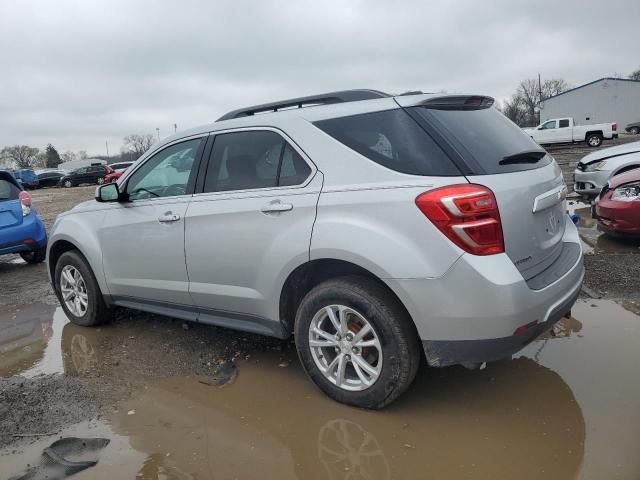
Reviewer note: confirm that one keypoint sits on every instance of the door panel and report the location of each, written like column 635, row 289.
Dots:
column 143, row 257
column 240, row 246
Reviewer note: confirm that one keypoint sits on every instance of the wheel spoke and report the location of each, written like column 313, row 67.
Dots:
column 68, row 277
column 332, row 366
column 362, row 363
column 342, row 365
column 83, row 300
column 360, row 373
column 327, row 336
column 68, row 295
column 342, row 313
column 368, row 343
column 332, row 317
column 361, row 333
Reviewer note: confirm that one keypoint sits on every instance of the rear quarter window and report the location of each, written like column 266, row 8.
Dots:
column 391, row 139
column 8, row 191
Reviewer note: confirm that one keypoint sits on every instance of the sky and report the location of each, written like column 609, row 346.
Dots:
column 79, row 74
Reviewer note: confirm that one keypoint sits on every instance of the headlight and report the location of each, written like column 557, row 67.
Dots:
column 596, row 166
column 627, row 193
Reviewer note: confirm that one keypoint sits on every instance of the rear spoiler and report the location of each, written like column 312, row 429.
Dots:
column 458, row 102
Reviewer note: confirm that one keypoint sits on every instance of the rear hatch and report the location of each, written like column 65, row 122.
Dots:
column 528, row 184
column 10, row 207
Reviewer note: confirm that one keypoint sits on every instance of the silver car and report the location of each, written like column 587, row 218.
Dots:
column 380, row 231
column 594, row 170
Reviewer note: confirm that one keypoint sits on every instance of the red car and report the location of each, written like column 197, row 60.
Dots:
column 113, row 176
column 617, row 208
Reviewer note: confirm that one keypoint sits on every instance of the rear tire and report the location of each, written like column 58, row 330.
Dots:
column 391, row 348
column 594, row 140
column 78, row 291
column 634, row 130
column 67, row 184
column 34, row 256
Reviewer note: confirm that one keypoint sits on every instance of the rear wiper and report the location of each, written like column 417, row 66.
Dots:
column 523, row 157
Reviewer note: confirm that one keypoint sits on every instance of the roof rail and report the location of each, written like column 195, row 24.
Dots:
column 323, row 99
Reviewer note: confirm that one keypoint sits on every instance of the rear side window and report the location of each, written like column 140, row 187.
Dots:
column 8, row 191
column 391, row 139
column 250, row 160
column 487, row 141
column 564, row 123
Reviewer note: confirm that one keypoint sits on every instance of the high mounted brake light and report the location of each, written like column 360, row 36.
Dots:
column 467, row 215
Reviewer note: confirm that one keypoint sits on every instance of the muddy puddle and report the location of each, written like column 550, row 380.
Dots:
column 566, row 407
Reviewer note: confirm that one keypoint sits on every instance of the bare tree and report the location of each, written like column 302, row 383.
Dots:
column 138, row 144
column 635, row 75
column 82, row 155
column 22, row 156
column 68, row 156
column 514, row 109
column 524, row 106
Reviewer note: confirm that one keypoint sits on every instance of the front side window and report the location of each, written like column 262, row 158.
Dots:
column 255, row 159
column 549, row 125
column 166, row 174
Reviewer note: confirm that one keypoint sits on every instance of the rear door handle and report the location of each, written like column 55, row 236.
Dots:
column 168, row 217
column 277, row 207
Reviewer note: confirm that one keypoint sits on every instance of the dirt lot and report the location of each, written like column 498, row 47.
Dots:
column 182, row 401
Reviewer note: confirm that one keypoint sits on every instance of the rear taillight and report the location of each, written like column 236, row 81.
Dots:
column 614, row 127
column 467, row 215
column 25, row 202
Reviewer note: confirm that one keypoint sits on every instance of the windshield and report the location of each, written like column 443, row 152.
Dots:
column 487, row 140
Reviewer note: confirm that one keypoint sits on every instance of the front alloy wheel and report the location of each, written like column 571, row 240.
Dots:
column 345, row 348
column 74, row 291
column 100, row 181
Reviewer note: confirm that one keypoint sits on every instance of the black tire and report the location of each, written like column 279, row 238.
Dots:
column 34, row 256
column 97, row 311
column 634, row 130
column 68, row 184
column 395, row 330
column 594, row 140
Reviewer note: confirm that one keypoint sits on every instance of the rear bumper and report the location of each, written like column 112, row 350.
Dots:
column 29, row 235
column 472, row 312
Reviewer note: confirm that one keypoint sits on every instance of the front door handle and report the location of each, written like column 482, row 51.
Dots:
column 277, row 207
column 168, row 217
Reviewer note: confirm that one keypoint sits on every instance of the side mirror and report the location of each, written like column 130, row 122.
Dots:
column 108, row 193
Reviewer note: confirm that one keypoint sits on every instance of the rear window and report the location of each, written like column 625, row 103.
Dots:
column 484, row 138
column 8, row 191
column 391, row 139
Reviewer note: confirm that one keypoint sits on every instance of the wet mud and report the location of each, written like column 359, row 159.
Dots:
column 566, row 407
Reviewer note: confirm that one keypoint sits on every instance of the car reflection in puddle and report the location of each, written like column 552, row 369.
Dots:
column 25, row 336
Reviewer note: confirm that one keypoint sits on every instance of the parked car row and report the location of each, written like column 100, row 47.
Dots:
column 611, row 178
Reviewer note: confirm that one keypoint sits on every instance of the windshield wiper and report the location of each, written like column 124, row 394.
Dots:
column 523, row 157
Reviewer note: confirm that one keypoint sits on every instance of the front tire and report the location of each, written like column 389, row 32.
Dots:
column 634, row 130
column 594, row 140
column 34, row 256
column 67, row 184
column 356, row 342
column 78, row 291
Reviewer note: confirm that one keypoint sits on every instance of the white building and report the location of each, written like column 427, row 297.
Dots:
column 73, row 164
column 604, row 100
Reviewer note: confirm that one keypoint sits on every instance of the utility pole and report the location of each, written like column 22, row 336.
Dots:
column 539, row 100
column 106, row 142
column 175, row 127
column 158, row 132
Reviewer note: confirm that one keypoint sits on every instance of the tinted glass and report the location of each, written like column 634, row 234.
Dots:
column 564, row 123
column 249, row 160
column 166, row 174
column 392, row 139
column 483, row 138
column 8, row 191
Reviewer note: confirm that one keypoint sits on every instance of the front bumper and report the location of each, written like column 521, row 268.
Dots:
column 471, row 313
column 590, row 183
column 618, row 218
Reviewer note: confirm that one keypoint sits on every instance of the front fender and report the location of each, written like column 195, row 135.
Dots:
column 80, row 229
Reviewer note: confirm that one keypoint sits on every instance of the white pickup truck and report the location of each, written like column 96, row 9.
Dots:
column 564, row 130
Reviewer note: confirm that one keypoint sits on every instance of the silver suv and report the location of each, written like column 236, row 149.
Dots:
column 375, row 229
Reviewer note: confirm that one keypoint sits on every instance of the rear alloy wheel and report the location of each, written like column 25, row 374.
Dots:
column 34, row 256
column 78, row 291
column 356, row 342
column 67, row 184
column 594, row 139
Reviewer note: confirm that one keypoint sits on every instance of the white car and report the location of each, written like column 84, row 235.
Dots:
column 595, row 169
column 120, row 166
column 564, row 130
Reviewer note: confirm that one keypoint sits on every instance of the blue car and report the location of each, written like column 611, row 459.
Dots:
column 27, row 177
column 21, row 230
